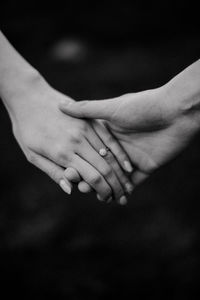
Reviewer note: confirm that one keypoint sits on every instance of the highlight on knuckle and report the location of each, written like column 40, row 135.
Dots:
column 60, row 153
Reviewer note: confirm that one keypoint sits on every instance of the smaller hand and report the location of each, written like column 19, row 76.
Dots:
column 53, row 141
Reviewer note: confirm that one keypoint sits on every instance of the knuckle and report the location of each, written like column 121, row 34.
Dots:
column 107, row 172
column 60, row 153
column 67, row 172
column 76, row 136
column 95, row 179
column 83, row 126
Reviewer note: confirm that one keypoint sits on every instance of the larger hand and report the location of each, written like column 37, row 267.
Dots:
column 149, row 125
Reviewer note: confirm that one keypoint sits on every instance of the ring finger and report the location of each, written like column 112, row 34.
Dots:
column 88, row 153
column 97, row 144
column 108, row 139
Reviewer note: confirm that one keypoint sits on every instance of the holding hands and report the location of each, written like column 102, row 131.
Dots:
column 152, row 126
column 98, row 144
column 53, row 142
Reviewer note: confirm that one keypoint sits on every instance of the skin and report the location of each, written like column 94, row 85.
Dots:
column 152, row 126
column 51, row 140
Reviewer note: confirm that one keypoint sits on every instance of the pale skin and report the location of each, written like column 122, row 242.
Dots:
column 53, row 141
column 152, row 126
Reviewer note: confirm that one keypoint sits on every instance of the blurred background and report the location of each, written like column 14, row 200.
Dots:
column 56, row 246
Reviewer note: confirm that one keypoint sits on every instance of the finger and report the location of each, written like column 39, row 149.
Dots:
column 87, row 152
column 97, row 144
column 84, row 187
column 92, row 177
column 138, row 177
column 72, row 175
column 54, row 171
column 98, row 109
column 111, row 142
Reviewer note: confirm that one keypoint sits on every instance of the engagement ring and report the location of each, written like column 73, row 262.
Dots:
column 104, row 151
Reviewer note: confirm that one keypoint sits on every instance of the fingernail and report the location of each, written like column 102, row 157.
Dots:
column 128, row 166
column 99, row 197
column 129, row 187
column 109, row 199
column 123, row 200
column 66, row 188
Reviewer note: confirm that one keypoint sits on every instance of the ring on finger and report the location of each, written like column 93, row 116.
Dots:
column 104, row 151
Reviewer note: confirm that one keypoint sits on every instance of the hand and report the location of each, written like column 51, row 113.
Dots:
column 53, row 141
column 116, row 158
column 149, row 125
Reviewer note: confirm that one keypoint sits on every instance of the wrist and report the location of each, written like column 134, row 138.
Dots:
column 16, row 82
column 18, row 88
column 183, row 92
column 184, row 106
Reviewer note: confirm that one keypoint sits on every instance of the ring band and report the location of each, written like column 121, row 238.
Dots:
column 104, row 151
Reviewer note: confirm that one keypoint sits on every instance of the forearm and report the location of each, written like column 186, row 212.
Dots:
column 21, row 85
column 183, row 91
column 16, row 75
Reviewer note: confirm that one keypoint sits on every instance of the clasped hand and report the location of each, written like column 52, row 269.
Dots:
column 67, row 148
column 136, row 132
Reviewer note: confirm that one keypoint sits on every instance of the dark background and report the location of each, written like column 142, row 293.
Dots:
column 61, row 247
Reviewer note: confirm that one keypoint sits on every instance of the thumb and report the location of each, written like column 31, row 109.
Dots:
column 97, row 109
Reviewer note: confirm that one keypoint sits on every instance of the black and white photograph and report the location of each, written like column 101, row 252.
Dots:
column 99, row 150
